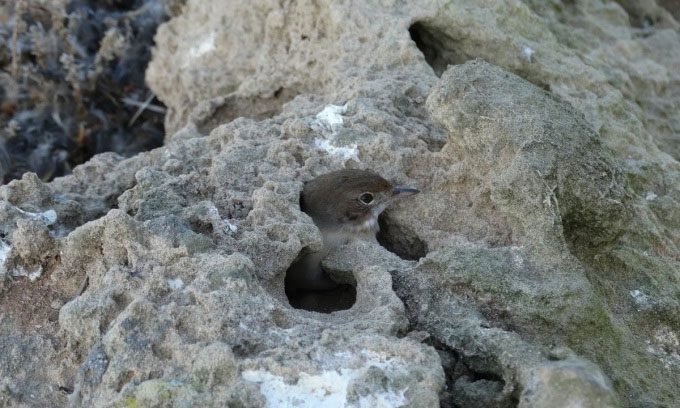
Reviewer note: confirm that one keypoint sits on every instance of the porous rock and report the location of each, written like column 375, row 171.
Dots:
column 538, row 266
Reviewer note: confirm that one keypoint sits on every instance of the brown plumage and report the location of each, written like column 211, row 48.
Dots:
column 345, row 198
column 343, row 204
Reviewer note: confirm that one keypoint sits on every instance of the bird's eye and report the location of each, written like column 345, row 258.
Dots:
column 366, row 198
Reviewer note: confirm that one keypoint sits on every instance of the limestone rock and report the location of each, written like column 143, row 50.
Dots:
column 538, row 264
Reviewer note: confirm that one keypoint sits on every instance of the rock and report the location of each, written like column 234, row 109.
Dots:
column 474, row 300
column 535, row 157
column 33, row 251
column 568, row 383
column 22, row 383
column 537, row 266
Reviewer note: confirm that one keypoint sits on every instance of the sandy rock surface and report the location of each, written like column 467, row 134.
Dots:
column 538, row 267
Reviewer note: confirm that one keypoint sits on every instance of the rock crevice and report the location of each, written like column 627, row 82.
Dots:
column 536, row 268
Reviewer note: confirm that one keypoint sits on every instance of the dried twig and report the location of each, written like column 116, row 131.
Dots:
column 18, row 26
column 146, row 105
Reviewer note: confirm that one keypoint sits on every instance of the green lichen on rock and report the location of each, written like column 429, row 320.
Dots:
column 546, row 240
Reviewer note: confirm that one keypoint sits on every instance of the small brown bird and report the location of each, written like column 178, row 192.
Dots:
column 344, row 204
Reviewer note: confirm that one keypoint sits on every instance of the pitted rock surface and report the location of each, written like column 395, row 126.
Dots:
column 536, row 268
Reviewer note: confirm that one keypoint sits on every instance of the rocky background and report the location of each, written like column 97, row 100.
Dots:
column 539, row 266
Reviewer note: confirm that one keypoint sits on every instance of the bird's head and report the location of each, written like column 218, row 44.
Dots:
column 350, row 199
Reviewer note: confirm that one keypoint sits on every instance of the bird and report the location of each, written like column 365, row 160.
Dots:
column 344, row 205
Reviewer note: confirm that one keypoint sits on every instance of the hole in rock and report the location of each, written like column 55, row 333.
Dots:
column 451, row 364
column 85, row 106
column 246, row 349
column 438, row 48
column 319, row 293
column 400, row 240
column 466, row 387
column 641, row 15
column 65, row 389
column 255, row 107
column 472, row 379
column 200, row 226
column 339, row 298
column 441, row 50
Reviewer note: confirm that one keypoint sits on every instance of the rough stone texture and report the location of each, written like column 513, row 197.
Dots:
column 537, row 268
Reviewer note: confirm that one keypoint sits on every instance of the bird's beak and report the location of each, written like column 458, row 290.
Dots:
column 403, row 191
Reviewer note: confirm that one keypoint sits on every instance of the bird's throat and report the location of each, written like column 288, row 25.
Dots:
column 368, row 225
column 361, row 229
